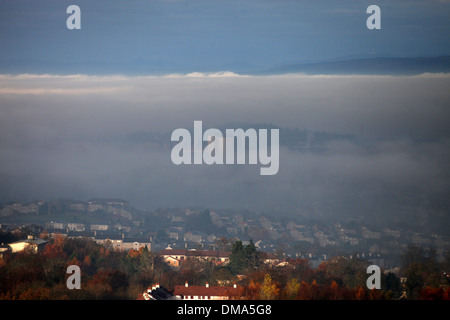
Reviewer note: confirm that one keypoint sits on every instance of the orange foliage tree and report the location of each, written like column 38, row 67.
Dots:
column 54, row 249
column 251, row 291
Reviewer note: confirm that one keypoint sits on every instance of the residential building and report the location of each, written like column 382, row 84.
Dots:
column 76, row 227
column 207, row 292
column 136, row 244
column 124, row 244
column 99, row 227
column 174, row 257
column 31, row 243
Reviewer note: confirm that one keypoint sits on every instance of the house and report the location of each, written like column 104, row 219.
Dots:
column 99, row 227
column 207, row 292
column 112, row 241
column 17, row 207
column 270, row 258
column 81, row 235
column 56, row 225
column 31, row 243
column 174, row 257
column 175, row 233
column 136, row 244
column 115, row 206
column 123, row 244
column 76, row 227
column 194, row 236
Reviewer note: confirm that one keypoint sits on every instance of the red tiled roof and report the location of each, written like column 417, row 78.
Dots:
column 173, row 252
column 206, row 291
column 224, row 254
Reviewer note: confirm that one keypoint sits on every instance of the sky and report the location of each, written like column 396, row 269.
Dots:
column 70, row 134
column 217, row 35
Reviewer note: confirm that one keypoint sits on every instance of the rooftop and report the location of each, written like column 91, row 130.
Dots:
column 194, row 253
column 210, row 291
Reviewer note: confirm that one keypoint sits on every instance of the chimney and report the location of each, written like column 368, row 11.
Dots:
column 186, row 284
column 207, row 285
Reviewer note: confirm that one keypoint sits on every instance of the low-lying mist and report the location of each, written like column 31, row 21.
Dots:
column 384, row 157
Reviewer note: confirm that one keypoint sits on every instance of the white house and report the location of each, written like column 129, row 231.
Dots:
column 33, row 244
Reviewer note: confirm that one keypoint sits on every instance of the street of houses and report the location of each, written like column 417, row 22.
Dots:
column 115, row 223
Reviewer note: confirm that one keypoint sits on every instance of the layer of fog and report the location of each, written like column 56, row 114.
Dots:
column 66, row 137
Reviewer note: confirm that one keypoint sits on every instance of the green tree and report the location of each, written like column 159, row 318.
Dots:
column 237, row 258
column 242, row 258
column 252, row 256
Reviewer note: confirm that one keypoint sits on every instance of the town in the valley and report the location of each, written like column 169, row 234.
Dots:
column 181, row 235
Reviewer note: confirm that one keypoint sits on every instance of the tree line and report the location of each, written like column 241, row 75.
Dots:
column 109, row 274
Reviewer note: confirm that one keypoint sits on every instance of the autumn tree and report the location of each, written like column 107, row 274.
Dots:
column 350, row 272
column 333, row 292
column 314, row 290
column 360, row 294
column 55, row 248
column 292, row 288
column 251, row 291
column 34, row 294
column 107, row 284
column 303, row 292
column 269, row 289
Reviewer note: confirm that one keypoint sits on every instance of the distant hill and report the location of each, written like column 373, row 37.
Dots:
column 378, row 66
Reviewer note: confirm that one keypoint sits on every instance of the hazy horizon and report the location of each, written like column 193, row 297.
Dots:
column 77, row 122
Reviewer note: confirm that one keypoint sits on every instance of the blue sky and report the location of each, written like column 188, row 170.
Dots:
column 216, row 34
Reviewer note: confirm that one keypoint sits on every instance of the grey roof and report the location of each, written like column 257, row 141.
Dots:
column 30, row 241
column 160, row 293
